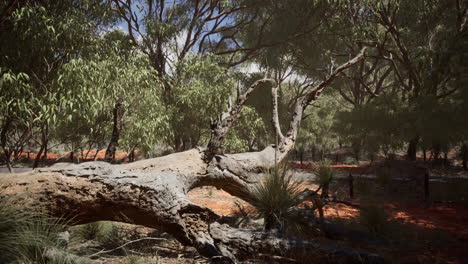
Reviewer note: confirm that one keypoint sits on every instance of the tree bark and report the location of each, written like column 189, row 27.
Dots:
column 154, row 192
column 464, row 154
column 44, row 139
column 116, row 128
column 412, row 149
column 3, row 141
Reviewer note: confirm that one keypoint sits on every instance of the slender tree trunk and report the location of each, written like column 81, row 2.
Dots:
column 8, row 160
column 356, row 155
column 44, row 139
column 436, row 151
column 46, row 150
column 446, row 164
column 38, row 157
column 85, row 158
column 116, row 128
column 3, row 140
column 464, row 154
column 96, row 154
column 412, row 149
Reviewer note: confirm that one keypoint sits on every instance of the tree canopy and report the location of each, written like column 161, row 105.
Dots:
column 141, row 75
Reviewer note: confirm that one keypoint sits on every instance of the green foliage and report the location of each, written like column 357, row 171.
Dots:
column 63, row 68
column 374, row 218
column 91, row 231
column 93, row 86
column 113, row 237
column 25, row 233
column 371, row 126
column 200, row 93
column 245, row 136
column 275, row 199
column 317, row 130
column 324, row 173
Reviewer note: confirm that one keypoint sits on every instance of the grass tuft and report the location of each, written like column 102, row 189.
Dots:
column 375, row 219
column 26, row 234
column 275, row 200
column 91, row 231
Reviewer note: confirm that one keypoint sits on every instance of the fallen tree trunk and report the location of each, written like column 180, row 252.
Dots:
column 154, row 194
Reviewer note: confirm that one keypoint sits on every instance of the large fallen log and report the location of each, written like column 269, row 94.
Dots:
column 156, row 197
column 154, row 192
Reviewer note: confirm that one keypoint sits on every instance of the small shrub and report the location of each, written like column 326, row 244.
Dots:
column 113, row 238
column 325, row 174
column 91, row 231
column 275, row 200
column 375, row 219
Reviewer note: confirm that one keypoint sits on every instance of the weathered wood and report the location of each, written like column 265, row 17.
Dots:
column 156, row 196
column 154, row 192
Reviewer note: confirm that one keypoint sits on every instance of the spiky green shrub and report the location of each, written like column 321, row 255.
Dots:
column 91, row 231
column 325, row 174
column 275, row 200
column 375, row 219
column 26, row 233
column 114, row 237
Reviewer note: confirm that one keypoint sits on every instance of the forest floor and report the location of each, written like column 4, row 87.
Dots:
column 428, row 232
column 420, row 232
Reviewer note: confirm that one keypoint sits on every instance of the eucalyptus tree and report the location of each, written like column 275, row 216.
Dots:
column 200, row 83
column 37, row 38
column 372, row 127
column 414, row 64
column 318, row 130
column 154, row 192
column 248, row 132
column 169, row 32
column 113, row 92
column 423, row 41
column 15, row 114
